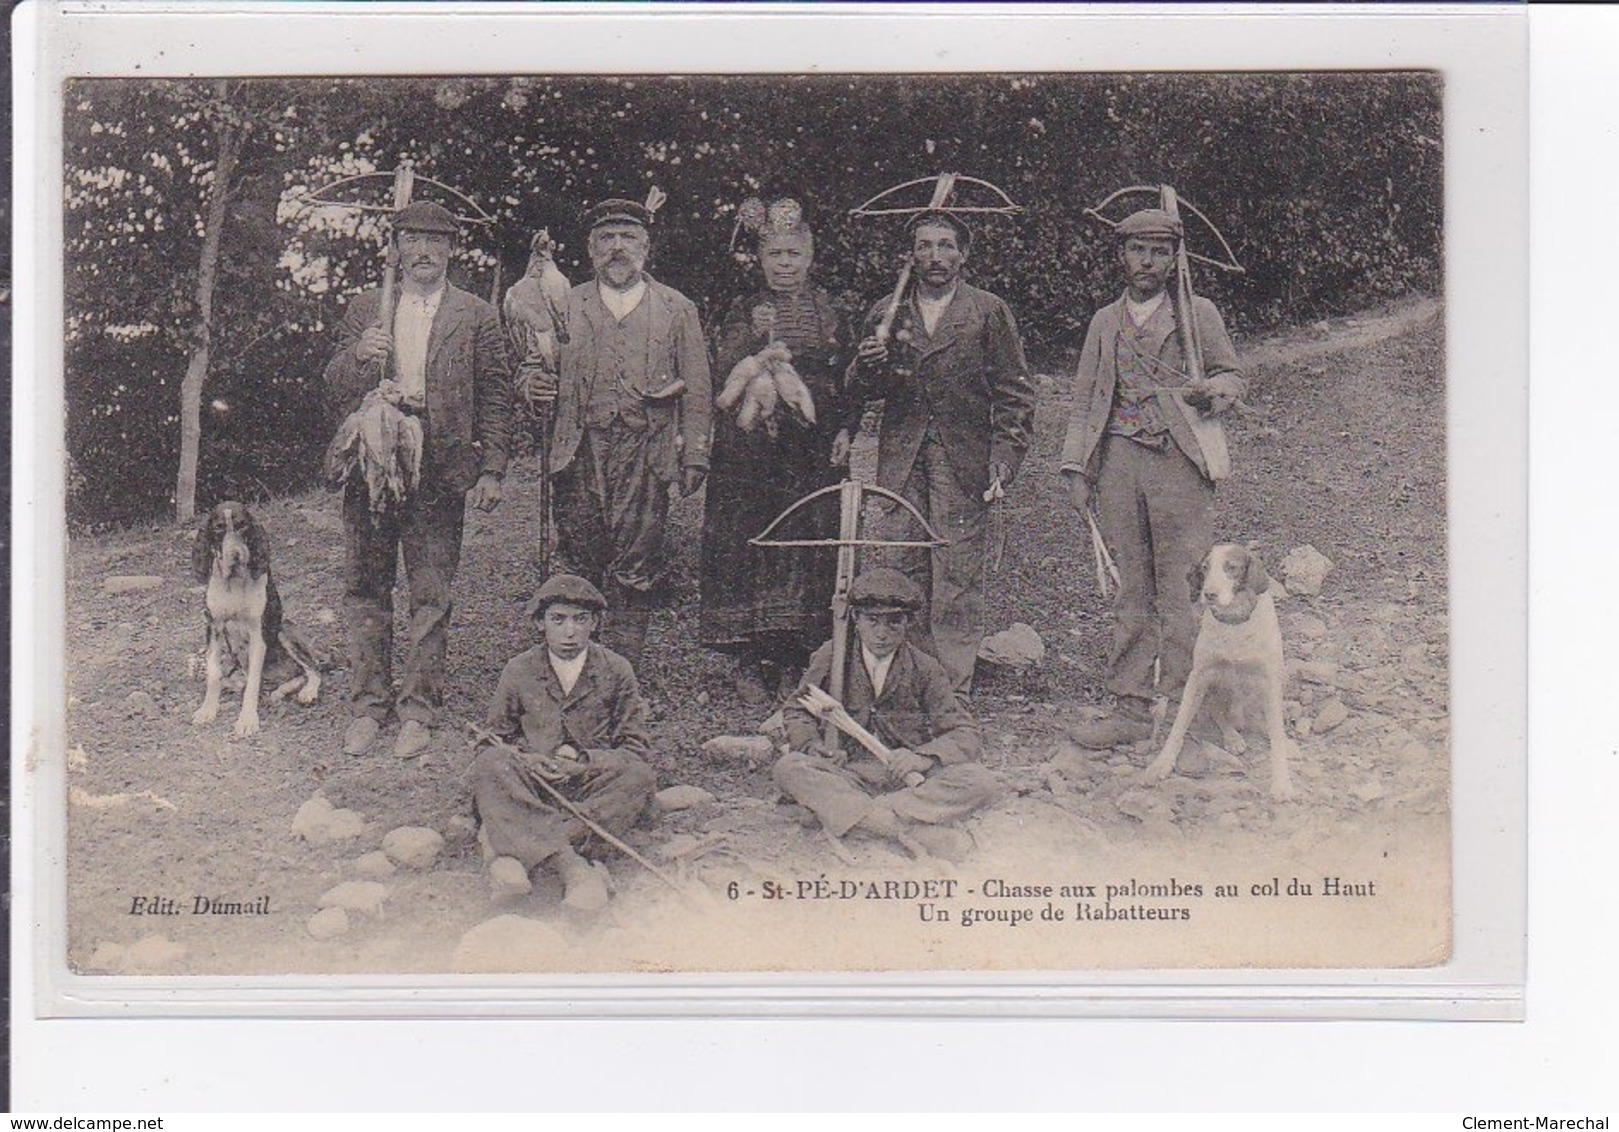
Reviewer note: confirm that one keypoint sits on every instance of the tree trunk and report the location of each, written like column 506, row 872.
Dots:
column 230, row 144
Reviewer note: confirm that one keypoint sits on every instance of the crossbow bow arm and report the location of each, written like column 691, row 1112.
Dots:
column 933, row 540
column 1228, row 264
column 319, row 198
column 1003, row 205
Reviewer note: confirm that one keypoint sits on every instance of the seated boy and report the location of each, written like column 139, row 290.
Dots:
column 900, row 694
column 577, row 714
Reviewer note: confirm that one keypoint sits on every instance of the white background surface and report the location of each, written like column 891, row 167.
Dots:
column 1560, row 1060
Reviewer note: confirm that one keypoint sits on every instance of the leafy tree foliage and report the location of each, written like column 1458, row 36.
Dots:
column 1329, row 187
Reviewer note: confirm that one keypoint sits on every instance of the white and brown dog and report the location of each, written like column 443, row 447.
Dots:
column 1238, row 653
column 245, row 626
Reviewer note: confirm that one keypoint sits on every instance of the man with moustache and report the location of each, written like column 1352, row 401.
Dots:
column 958, row 413
column 446, row 361
column 1132, row 447
column 633, row 412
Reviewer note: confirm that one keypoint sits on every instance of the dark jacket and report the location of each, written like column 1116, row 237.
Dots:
column 604, row 711
column 918, row 709
column 1098, row 372
column 969, row 377
column 679, row 425
column 468, row 417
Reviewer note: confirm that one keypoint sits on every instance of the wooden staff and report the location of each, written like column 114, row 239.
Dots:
column 483, row 736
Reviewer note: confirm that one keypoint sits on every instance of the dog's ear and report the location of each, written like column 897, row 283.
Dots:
column 258, row 545
column 1255, row 578
column 202, row 551
column 1194, row 580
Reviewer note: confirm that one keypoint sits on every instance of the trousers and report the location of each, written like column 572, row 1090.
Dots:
column 428, row 531
column 840, row 797
column 1156, row 513
column 521, row 820
column 951, row 624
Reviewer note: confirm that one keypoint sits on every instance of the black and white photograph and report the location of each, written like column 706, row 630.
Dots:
column 756, row 523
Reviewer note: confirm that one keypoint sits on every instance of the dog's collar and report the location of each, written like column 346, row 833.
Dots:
column 1240, row 610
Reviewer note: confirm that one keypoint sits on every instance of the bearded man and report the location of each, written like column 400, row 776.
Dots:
column 634, row 407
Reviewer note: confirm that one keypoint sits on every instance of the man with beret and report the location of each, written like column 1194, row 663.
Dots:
column 632, row 418
column 445, row 363
column 901, row 695
column 1147, row 448
column 958, row 411
column 575, row 715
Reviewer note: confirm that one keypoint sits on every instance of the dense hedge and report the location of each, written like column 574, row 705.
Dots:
column 1329, row 187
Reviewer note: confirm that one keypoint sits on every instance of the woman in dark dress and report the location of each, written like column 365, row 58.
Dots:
column 770, row 607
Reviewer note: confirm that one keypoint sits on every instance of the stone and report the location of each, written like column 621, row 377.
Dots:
column 1332, row 713
column 754, row 750
column 325, row 616
column 1368, row 791
column 678, row 846
column 1304, row 570
column 413, row 846
column 1144, row 806
column 460, row 830
column 329, row 923
column 508, row 879
column 509, row 945
column 1016, row 647
column 1414, row 753
column 319, row 822
column 374, row 865
column 77, row 760
column 130, row 583
column 365, row 896
column 677, row 798
column 1315, row 671
column 141, row 703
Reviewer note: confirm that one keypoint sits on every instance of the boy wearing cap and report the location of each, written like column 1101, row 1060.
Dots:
column 575, row 711
column 633, row 412
column 958, row 412
column 1132, row 448
column 901, row 695
column 448, row 359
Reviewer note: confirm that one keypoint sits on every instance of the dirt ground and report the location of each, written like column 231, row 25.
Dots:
column 1342, row 449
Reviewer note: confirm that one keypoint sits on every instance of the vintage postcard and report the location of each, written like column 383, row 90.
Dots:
column 650, row 520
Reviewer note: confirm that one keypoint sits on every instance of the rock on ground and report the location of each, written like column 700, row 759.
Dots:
column 754, row 750
column 680, row 798
column 1305, row 569
column 329, row 923
column 509, row 945
column 1016, row 647
column 374, row 865
column 413, row 846
column 1332, row 713
column 357, row 896
column 319, row 822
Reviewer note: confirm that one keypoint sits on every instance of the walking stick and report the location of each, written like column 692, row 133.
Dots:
column 482, row 736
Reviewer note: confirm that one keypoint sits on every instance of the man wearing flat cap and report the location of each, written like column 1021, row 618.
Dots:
column 958, row 413
column 445, row 363
column 633, row 412
column 573, row 716
column 901, row 695
column 1136, row 448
